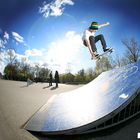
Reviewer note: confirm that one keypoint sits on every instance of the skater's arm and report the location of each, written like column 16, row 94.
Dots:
column 103, row 25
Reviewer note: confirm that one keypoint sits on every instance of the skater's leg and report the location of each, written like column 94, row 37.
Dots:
column 92, row 43
column 103, row 42
column 91, row 46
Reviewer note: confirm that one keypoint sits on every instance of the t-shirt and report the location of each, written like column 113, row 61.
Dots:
column 87, row 34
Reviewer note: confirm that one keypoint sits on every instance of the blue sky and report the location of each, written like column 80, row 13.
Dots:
column 48, row 32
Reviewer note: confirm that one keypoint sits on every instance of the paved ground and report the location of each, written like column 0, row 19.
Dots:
column 19, row 102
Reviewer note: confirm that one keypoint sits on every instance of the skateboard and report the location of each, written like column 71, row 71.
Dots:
column 104, row 53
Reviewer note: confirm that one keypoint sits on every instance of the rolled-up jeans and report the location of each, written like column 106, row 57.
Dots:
column 93, row 40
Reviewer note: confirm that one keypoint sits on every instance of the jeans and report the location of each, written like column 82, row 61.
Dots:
column 93, row 40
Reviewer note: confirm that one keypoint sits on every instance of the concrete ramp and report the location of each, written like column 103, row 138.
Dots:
column 95, row 106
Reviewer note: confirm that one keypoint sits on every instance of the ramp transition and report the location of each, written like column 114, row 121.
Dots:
column 110, row 99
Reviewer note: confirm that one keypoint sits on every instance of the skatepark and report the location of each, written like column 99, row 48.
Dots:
column 22, row 108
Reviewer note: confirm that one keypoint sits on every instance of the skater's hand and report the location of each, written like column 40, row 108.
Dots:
column 92, row 56
column 107, row 23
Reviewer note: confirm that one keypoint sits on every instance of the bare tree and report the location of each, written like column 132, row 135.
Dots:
column 11, row 56
column 120, row 61
column 90, row 74
column 132, row 50
column 11, row 64
column 103, row 65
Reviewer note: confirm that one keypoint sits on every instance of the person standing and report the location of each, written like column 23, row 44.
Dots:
column 50, row 79
column 56, row 78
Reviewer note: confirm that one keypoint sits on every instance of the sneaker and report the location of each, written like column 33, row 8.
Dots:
column 106, row 49
column 95, row 55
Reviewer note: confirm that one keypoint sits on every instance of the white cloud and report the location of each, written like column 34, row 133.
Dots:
column 11, row 53
column 2, row 66
column 18, row 37
column 1, row 55
column 1, row 43
column 33, row 52
column 6, row 35
column 65, row 52
column 4, row 56
column 4, row 40
column 21, row 57
column 55, row 8
column 15, row 36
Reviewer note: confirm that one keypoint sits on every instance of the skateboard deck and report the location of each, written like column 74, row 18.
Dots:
column 104, row 53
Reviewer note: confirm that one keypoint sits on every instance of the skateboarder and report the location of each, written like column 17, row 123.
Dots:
column 89, row 38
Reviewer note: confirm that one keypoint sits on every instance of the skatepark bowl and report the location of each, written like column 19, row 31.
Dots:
column 113, row 97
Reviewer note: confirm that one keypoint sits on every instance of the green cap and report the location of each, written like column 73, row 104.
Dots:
column 94, row 25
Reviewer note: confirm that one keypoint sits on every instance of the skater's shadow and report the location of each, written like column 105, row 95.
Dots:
column 23, row 86
column 53, row 88
column 46, row 87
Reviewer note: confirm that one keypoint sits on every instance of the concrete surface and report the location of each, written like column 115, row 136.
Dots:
column 19, row 102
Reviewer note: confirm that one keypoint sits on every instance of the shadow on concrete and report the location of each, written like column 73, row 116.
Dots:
column 46, row 87
column 53, row 88
column 23, row 86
